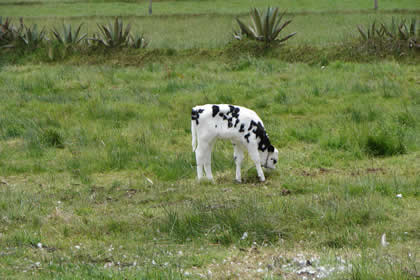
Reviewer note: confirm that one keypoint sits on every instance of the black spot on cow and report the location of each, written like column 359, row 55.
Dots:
column 241, row 129
column 259, row 131
column 215, row 126
column 230, row 124
column 223, row 116
column 230, row 116
column 236, row 122
column 234, row 111
column 195, row 114
column 247, row 137
column 216, row 110
column 251, row 125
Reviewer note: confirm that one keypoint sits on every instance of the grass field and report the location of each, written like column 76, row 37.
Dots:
column 97, row 177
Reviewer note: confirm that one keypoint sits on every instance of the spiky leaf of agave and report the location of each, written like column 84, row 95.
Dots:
column 372, row 32
column 413, row 27
column 272, row 20
column 57, row 35
column 387, row 31
column 287, row 37
column 76, row 38
column 402, row 31
column 106, row 35
column 279, row 29
column 245, row 29
column 237, row 34
column 266, row 21
column 257, row 29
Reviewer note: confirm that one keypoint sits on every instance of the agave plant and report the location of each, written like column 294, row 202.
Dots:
column 67, row 37
column 138, row 41
column 372, row 32
column 30, row 36
column 265, row 26
column 394, row 35
column 8, row 33
column 113, row 35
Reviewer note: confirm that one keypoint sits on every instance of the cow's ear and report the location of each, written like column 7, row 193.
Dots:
column 271, row 149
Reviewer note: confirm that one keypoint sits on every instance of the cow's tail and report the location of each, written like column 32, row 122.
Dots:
column 194, row 135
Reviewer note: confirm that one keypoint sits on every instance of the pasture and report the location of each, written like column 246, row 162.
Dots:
column 97, row 177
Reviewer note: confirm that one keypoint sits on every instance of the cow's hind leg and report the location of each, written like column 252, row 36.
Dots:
column 203, row 158
column 238, row 155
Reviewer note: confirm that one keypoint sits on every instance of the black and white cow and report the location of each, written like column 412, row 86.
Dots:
column 241, row 126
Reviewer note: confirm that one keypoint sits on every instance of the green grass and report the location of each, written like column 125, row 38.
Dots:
column 140, row 8
column 80, row 145
column 97, row 177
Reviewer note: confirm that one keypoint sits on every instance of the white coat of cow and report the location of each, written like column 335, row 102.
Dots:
column 238, row 124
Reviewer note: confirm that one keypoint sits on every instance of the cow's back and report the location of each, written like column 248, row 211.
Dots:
column 224, row 121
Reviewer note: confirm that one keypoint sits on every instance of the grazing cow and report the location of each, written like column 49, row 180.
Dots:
column 241, row 126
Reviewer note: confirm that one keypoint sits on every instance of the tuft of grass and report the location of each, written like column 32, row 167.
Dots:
column 52, row 138
column 387, row 141
column 222, row 222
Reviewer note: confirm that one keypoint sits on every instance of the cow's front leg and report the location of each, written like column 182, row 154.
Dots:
column 255, row 156
column 238, row 155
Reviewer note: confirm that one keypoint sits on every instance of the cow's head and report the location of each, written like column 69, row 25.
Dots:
column 269, row 157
